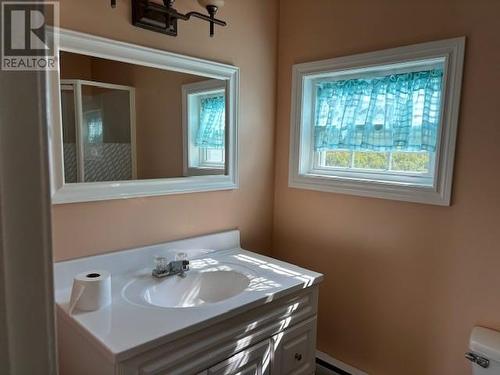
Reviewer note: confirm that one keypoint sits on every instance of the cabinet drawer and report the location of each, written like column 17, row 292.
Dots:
column 295, row 349
column 196, row 352
column 252, row 361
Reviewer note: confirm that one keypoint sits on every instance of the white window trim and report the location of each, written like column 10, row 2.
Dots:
column 371, row 174
column 450, row 51
column 198, row 88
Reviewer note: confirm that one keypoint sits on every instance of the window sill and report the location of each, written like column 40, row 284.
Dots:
column 401, row 191
column 205, row 166
column 373, row 176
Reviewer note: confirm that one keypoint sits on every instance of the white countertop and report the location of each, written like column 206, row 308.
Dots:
column 126, row 328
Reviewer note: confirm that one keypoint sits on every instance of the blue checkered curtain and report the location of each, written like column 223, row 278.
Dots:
column 399, row 112
column 211, row 132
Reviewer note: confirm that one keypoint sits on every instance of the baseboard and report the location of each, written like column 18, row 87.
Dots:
column 326, row 368
column 344, row 367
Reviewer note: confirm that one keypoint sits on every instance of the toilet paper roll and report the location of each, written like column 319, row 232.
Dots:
column 91, row 291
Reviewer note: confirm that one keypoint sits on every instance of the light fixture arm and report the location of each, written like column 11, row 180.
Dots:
column 212, row 10
column 163, row 18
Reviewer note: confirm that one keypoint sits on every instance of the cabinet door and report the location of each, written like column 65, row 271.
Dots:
column 252, row 361
column 295, row 350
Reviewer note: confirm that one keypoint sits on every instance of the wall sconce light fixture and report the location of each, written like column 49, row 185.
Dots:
column 163, row 18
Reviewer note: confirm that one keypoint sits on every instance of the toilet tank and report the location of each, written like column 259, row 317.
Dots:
column 485, row 351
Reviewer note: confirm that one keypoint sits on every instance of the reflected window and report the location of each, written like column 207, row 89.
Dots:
column 210, row 134
column 204, row 126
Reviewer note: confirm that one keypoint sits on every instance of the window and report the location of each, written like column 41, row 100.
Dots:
column 211, row 157
column 204, row 127
column 380, row 124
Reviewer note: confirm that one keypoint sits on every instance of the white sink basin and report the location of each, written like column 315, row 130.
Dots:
column 196, row 288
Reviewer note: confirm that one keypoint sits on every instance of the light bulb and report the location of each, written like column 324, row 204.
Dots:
column 214, row 3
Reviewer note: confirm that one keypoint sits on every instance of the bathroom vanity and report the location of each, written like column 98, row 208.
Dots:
column 233, row 312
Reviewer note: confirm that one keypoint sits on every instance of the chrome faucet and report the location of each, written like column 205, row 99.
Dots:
column 175, row 267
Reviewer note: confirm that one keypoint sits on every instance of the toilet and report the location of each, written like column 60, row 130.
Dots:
column 484, row 352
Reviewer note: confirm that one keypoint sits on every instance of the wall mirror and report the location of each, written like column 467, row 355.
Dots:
column 129, row 121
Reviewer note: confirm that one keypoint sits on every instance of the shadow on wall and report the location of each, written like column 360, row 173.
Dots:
column 374, row 292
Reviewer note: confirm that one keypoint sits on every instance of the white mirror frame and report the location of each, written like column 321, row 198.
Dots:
column 76, row 42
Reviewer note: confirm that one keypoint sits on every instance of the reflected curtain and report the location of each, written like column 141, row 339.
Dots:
column 211, row 131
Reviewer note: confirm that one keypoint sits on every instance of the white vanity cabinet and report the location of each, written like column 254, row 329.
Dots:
column 269, row 328
column 295, row 349
column 289, row 352
column 273, row 339
column 277, row 338
column 255, row 360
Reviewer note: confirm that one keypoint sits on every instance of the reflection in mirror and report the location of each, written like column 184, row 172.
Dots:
column 123, row 121
column 204, row 127
column 98, row 137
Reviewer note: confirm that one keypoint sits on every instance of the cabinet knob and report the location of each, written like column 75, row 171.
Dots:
column 298, row 356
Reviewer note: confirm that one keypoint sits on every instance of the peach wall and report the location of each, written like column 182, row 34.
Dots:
column 75, row 66
column 249, row 42
column 404, row 282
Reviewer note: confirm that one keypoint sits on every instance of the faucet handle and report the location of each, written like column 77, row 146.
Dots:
column 161, row 263
column 180, row 256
